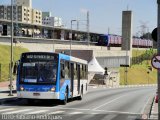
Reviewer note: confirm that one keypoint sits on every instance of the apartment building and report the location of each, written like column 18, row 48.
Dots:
column 21, row 14
column 26, row 3
column 36, row 17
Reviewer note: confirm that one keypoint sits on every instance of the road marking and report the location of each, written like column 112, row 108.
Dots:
column 118, row 112
column 108, row 102
column 95, row 87
column 35, row 112
column 56, row 112
column 94, row 113
column 75, row 113
column 18, row 111
column 3, row 110
column 72, row 108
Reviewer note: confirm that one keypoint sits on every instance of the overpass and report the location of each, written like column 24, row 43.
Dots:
column 58, row 39
column 52, row 32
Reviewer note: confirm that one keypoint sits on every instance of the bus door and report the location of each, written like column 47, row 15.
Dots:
column 78, row 78
column 72, row 77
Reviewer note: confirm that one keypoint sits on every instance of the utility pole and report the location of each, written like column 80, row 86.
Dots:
column 77, row 24
column 11, row 62
column 158, row 50
column 53, row 36
column 88, row 36
column 71, row 38
column 15, row 18
column 108, row 30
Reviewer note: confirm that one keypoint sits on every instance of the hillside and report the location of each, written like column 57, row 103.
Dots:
column 5, row 59
column 138, row 72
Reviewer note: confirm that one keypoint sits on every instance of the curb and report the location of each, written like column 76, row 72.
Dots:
column 152, row 115
column 147, row 111
column 125, row 86
column 7, row 91
column 7, row 100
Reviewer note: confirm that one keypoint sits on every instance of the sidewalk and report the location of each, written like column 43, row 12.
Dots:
column 154, row 111
column 4, row 92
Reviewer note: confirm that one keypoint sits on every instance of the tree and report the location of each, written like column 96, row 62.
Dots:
column 146, row 36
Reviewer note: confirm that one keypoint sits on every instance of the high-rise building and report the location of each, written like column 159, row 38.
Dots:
column 36, row 16
column 26, row 3
column 23, row 14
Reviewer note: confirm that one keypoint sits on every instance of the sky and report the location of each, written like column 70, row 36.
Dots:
column 105, row 15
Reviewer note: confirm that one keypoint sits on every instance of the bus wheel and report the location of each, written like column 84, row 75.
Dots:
column 66, row 97
column 81, row 94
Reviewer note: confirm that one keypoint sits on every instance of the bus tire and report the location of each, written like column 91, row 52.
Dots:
column 81, row 94
column 66, row 97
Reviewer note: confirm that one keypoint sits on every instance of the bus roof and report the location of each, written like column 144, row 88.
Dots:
column 68, row 57
column 78, row 60
column 74, row 59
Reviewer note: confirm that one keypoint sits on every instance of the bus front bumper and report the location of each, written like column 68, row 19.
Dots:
column 38, row 95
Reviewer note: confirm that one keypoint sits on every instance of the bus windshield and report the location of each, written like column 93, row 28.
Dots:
column 39, row 72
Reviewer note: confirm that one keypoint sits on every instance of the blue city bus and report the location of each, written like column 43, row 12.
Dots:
column 46, row 75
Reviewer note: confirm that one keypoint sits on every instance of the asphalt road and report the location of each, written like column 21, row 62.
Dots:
column 98, row 104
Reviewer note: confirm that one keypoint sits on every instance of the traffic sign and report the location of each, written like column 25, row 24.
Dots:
column 156, row 61
column 123, row 65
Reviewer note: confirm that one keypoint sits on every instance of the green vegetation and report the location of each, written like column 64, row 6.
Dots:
column 139, row 73
column 5, row 59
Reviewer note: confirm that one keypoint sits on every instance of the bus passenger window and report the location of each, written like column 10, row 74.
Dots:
column 81, row 71
column 62, row 71
column 75, row 71
column 67, row 71
column 86, row 73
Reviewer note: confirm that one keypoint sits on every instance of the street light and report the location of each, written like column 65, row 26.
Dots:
column 71, row 35
column 53, row 35
column 88, row 36
column 11, row 62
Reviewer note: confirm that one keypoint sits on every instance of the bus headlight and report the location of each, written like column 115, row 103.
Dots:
column 21, row 88
column 53, row 89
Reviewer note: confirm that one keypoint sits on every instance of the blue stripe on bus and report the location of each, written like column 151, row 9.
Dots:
column 63, row 89
column 65, row 57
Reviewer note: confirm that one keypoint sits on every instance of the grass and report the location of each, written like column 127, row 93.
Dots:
column 139, row 73
column 5, row 59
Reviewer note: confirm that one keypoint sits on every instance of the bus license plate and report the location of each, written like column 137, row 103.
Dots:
column 36, row 94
